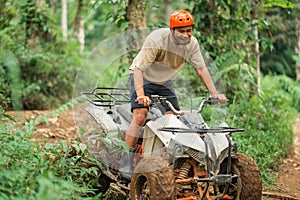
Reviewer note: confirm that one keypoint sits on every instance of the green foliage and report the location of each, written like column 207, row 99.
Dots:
column 280, row 3
column 113, row 142
column 74, row 163
column 104, row 18
column 4, row 105
column 44, row 171
column 7, row 9
column 11, row 64
column 37, row 23
column 296, row 58
column 239, row 81
column 267, row 120
column 48, row 78
column 288, row 88
column 282, row 35
column 215, row 22
column 24, row 168
column 38, row 80
column 225, row 29
column 37, row 70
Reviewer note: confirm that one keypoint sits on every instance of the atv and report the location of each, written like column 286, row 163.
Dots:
column 178, row 156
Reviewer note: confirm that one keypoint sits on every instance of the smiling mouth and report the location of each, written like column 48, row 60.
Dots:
column 185, row 40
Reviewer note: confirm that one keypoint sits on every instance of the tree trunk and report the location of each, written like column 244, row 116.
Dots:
column 257, row 53
column 77, row 19
column 78, row 25
column 169, row 10
column 80, row 35
column 136, row 15
column 298, row 42
column 254, row 18
column 64, row 22
column 52, row 6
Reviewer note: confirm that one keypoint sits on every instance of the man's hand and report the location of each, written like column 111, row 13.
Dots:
column 145, row 100
column 221, row 98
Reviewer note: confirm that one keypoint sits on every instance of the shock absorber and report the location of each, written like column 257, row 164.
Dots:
column 184, row 170
column 182, row 175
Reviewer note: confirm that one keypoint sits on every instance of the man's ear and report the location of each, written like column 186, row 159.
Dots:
column 172, row 30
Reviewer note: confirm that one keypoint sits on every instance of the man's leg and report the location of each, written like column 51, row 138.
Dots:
column 131, row 138
column 138, row 120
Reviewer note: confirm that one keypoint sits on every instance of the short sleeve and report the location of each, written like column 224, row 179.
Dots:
column 196, row 57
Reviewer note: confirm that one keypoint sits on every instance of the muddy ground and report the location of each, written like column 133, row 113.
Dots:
column 287, row 187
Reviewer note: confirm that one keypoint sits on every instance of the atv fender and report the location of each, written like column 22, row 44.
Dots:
column 154, row 139
column 101, row 116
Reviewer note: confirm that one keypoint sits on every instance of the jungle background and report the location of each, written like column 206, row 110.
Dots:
column 255, row 46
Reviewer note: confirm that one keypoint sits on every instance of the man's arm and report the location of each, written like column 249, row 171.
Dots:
column 139, row 87
column 138, row 82
column 207, row 80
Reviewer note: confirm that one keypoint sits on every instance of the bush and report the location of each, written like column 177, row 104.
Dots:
column 267, row 120
column 37, row 69
column 43, row 171
column 287, row 86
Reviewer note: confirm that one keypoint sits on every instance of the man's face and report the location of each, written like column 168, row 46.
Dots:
column 183, row 34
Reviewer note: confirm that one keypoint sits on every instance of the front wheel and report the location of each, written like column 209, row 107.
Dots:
column 248, row 185
column 153, row 179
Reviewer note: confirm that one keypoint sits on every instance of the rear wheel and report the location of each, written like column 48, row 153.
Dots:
column 248, row 185
column 152, row 179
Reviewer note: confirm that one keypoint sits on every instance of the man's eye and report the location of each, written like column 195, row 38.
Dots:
column 188, row 31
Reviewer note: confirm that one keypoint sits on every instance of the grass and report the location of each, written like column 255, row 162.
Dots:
column 268, row 122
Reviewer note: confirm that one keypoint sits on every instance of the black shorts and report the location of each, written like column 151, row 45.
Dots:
column 165, row 90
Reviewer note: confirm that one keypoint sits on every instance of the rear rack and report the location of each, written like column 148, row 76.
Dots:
column 107, row 96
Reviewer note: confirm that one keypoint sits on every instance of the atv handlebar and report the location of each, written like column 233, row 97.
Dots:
column 109, row 97
column 160, row 99
column 209, row 100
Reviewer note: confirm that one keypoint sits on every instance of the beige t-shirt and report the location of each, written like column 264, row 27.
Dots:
column 161, row 58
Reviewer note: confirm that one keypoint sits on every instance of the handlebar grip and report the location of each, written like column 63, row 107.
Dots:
column 212, row 100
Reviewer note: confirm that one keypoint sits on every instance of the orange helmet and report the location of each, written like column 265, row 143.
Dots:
column 181, row 18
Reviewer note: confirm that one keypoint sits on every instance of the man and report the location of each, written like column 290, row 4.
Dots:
column 164, row 53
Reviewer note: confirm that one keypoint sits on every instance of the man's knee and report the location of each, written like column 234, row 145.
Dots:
column 139, row 116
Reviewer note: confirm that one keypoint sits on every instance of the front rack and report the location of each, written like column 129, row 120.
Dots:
column 107, row 96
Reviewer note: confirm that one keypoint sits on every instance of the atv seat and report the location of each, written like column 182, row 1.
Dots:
column 125, row 111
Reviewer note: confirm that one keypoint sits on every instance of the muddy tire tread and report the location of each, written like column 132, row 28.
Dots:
column 250, row 175
column 159, row 176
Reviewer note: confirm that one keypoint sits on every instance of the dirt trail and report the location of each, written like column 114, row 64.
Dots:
column 290, row 169
column 288, row 183
column 287, row 186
